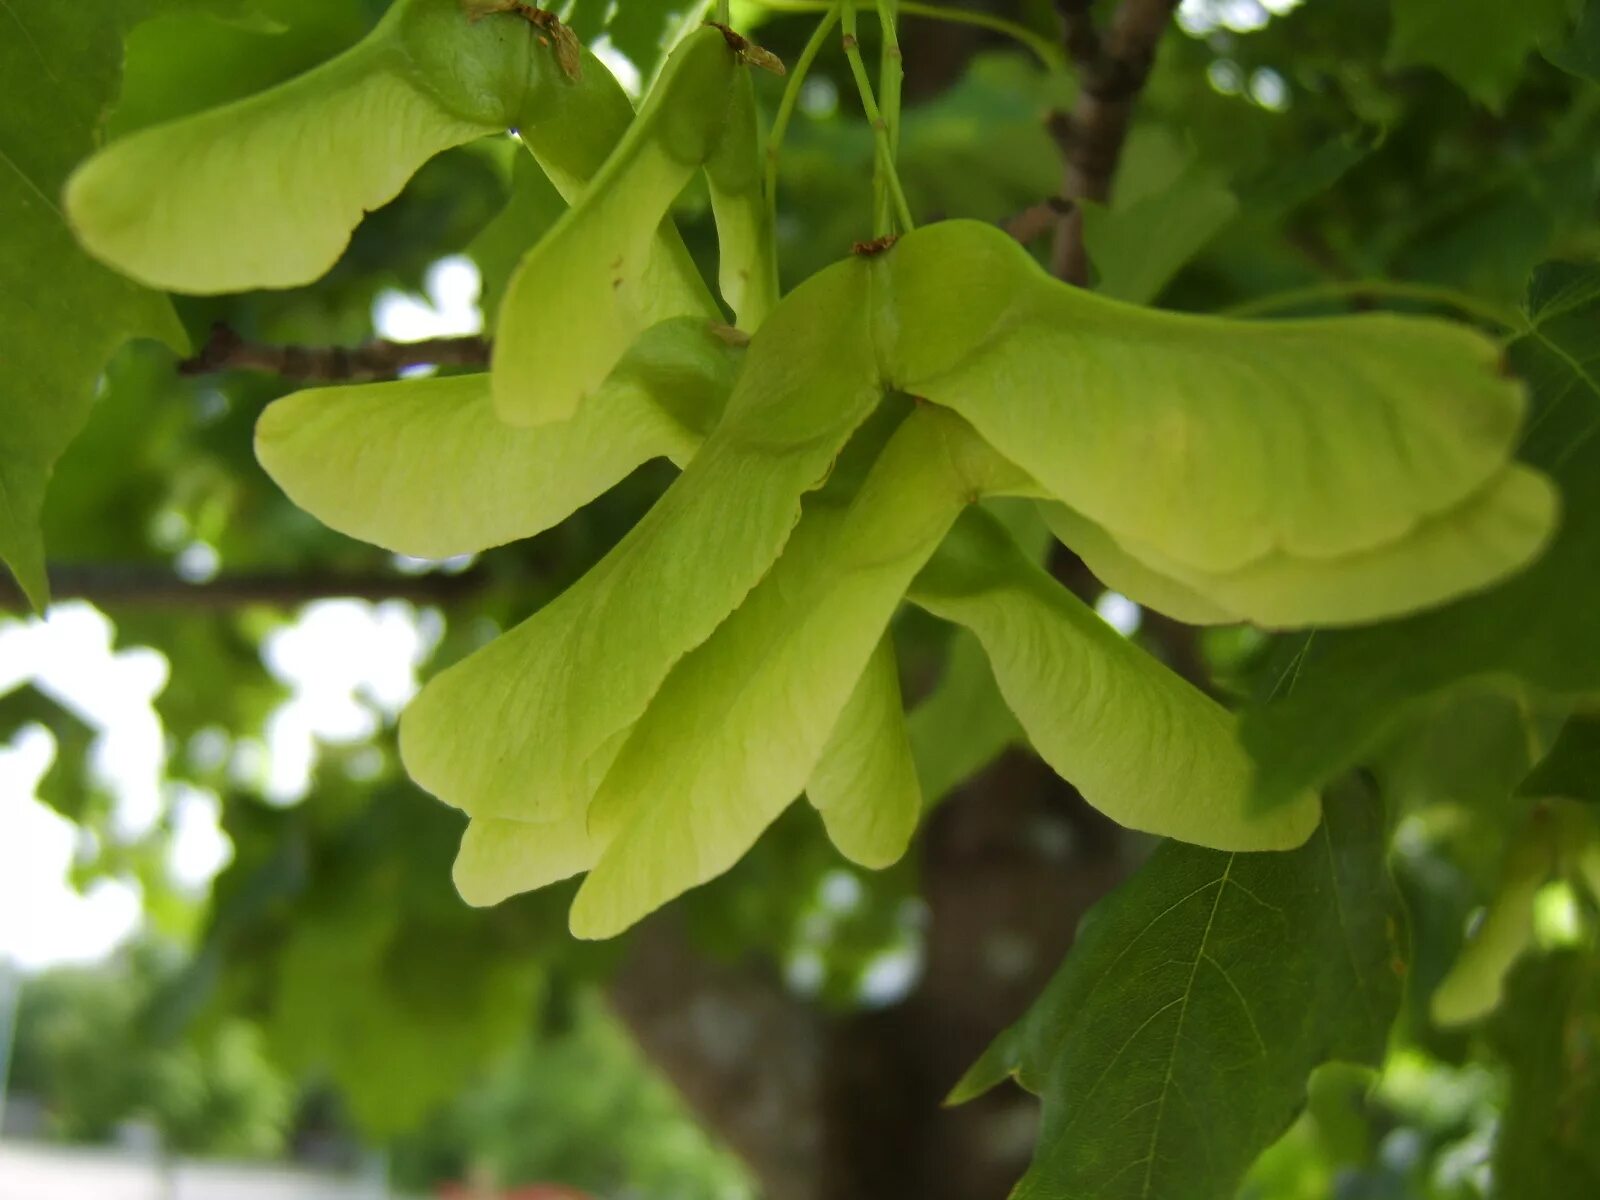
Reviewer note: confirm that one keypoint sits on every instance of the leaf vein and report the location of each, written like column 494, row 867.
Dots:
column 1177, row 1036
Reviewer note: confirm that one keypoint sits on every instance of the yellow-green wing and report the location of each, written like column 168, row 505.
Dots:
column 499, row 858
column 521, row 728
column 865, row 784
column 592, row 284
column 748, row 266
column 426, row 467
column 1473, row 987
column 1214, row 443
column 1493, row 533
column 738, row 727
column 1142, row 745
column 264, row 192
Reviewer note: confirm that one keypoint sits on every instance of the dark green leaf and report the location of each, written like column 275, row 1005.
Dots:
column 1174, row 1044
column 1579, row 52
column 61, row 314
column 1572, row 768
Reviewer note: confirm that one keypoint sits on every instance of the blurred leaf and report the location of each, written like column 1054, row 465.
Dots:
column 1167, row 207
column 1282, row 187
column 1548, row 1033
column 573, row 1102
column 84, row 1049
column 640, row 30
column 354, row 887
column 1481, row 44
column 1572, row 767
column 67, row 786
column 1469, row 750
column 61, row 63
column 1283, row 960
column 978, row 149
column 1579, row 52
column 1472, row 988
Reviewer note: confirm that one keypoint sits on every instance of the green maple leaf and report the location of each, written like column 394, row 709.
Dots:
column 61, row 314
column 1174, row 1044
column 1481, row 44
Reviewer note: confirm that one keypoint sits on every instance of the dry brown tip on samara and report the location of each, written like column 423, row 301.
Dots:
column 749, row 52
column 875, row 247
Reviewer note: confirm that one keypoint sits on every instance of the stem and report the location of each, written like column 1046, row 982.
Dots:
column 1042, row 47
column 791, row 95
column 1345, row 289
column 891, row 78
column 880, row 131
column 724, row 13
column 225, row 350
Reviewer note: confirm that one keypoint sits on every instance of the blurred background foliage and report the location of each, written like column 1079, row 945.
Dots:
column 329, row 989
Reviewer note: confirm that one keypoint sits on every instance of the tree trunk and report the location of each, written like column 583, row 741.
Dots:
column 850, row 1108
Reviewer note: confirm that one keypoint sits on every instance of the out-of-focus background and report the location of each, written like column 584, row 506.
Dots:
column 232, row 963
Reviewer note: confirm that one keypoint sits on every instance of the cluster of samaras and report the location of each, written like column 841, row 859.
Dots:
column 731, row 652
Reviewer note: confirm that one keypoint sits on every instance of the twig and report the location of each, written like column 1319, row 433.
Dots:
column 225, row 350
column 1046, row 52
column 1038, row 219
column 1112, row 70
column 786, row 106
column 885, row 175
column 139, row 585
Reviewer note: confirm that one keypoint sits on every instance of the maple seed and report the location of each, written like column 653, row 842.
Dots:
column 749, row 52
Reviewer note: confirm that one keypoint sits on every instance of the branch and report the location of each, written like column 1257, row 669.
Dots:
column 136, row 585
column 225, row 350
column 1112, row 70
column 1038, row 219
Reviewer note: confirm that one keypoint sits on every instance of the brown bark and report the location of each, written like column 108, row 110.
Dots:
column 745, row 1055
column 1112, row 69
column 1010, row 866
column 225, row 350
column 851, row 1108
